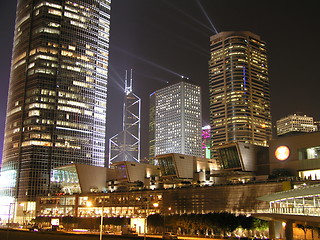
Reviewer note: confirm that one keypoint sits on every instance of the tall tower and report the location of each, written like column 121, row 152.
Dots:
column 125, row 146
column 175, row 120
column 57, row 100
column 239, row 89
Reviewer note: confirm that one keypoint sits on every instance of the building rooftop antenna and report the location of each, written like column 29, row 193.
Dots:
column 128, row 85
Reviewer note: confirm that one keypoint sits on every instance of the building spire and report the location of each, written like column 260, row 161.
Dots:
column 128, row 84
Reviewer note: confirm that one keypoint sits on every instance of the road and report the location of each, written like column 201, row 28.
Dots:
column 9, row 234
column 23, row 235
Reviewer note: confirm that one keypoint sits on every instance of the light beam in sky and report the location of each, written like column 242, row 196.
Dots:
column 116, row 77
column 206, row 15
column 153, row 77
column 190, row 16
column 149, row 62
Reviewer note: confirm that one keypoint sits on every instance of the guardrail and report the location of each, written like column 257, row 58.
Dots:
column 304, row 211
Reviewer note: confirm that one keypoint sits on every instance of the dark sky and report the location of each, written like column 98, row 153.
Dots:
column 164, row 39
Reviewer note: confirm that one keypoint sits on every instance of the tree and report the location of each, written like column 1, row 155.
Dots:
column 117, row 221
column 260, row 224
column 156, row 221
column 247, row 223
column 304, row 228
column 226, row 222
column 171, row 221
column 280, row 172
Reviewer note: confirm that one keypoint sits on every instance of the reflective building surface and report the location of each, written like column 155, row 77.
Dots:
column 56, row 112
column 175, row 120
column 239, row 89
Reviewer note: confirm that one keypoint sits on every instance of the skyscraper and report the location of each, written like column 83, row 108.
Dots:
column 239, row 89
column 175, row 120
column 57, row 101
column 125, row 146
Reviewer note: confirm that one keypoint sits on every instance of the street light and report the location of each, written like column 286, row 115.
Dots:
column 24, row 212
column 9, row 217
column 101, row 220
column 89, row 204
column 155, row 205
column 10, row 212
column 164, row 219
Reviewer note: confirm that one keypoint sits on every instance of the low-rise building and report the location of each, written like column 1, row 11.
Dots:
column 138, row 204
column 295, row 123
column 297, row 155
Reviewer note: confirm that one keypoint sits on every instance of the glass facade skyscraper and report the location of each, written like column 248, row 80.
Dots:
column 175, row 120
column 57, row 100
column 239, row 89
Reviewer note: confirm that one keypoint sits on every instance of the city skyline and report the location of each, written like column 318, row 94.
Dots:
column 163, row 47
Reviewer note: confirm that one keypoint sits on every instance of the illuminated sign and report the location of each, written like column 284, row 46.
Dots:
column 282, row 153
column 55, row 221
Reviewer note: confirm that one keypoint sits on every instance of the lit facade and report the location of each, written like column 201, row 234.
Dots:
column 239, row 89
column 206, row 141
column 133, row 204
column 57, row 100
column 78, row 178
column 297, row 154
column 175, row 120
column 295, row 123
column 173, row 170
column 178, row 170
column 125, row 146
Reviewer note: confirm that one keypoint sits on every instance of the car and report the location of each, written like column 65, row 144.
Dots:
column 46, row 229
column 169, row 235
column 33, row 228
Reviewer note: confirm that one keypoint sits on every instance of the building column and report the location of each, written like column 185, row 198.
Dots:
column 289, row 230
column 272, row 234
column 76, row 206
column 275, row 229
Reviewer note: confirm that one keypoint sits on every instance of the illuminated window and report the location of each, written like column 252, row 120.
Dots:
column 54, row 12
column 17, row 109
column 36, row 143
column 34, row 113
column 309, row 153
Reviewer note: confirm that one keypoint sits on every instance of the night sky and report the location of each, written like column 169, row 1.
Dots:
column 164, row 39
